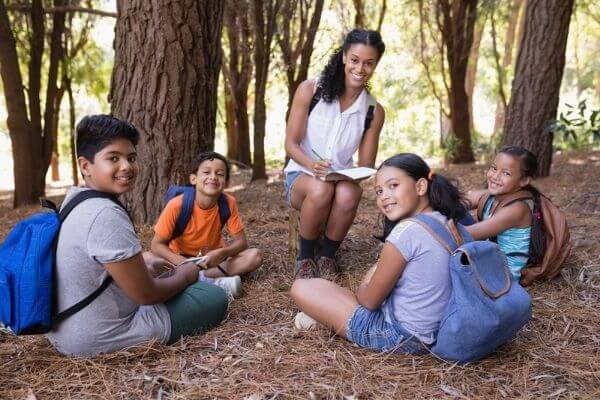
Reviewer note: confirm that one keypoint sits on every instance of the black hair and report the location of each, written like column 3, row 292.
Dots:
column 211, row 155
column 95, row 132
column 444, row 195
column 332, row 81
column 528, row 167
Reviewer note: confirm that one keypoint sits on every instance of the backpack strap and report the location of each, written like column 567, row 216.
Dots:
column 63, row 214
column 447, row 235
column 187, row 208
column 370, row 113
column 521, row 195
column 224, row 211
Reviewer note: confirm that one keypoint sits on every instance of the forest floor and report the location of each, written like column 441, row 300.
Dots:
column 257, row 353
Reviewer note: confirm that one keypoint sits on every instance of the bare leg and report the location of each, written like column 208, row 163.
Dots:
column 326, row 302
column 313, row 198
column 243, row 263
column 343, row 210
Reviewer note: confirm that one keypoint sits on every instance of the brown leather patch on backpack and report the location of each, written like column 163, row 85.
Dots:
column 555, row 230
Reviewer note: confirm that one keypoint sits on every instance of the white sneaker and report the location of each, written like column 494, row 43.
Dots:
column 303, row 322
column 231, row 284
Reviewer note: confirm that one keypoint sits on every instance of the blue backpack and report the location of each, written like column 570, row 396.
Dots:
column 486, row 309
column 27, row 268
column 187, row 207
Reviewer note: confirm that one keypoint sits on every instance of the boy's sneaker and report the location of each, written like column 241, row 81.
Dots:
column 306, row 269
column 327, row 268
column 231, row 284
column 303, row 322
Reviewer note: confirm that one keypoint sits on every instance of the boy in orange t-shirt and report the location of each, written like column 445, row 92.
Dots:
column 202, row 235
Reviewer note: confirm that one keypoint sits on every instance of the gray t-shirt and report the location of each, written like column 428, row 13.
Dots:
column 422, row 292
column 99, row 232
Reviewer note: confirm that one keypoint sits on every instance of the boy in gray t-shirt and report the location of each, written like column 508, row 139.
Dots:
column 98, row 239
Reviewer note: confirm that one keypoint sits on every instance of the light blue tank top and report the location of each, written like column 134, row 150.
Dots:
column 514, row 242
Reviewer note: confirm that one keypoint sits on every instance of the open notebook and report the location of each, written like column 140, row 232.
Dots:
column 350, row 174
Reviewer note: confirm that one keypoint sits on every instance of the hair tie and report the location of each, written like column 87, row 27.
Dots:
column 430, row 175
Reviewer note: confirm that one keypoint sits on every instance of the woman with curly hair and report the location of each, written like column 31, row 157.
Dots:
column 329, row 120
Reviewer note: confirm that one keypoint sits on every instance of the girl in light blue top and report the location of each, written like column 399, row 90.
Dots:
column 516, row 229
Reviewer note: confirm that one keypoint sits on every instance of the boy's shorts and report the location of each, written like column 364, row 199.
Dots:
column 370, row 329
column 290, row 179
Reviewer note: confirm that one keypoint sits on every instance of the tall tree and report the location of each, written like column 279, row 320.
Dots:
column 31, row 132
column 361, row 18
column 507, row 59
column 237, row 73
column 538, row 74
column 454, row 21
column 296, row 37
column 164, row 81
column 264, row 13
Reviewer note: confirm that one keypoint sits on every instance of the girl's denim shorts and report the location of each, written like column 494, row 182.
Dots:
column 369, row 329
column 290, row 179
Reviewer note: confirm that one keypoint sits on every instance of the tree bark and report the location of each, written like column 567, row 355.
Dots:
column 538, row 74
column 52, row 100
column 237, row 71
column 472, row 70
column 297, row 41
column 19, row 125
column 164, row 81
column 264, row 13
column 457, row 25
column 507, row 58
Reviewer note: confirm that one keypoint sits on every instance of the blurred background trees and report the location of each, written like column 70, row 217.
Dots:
column 458, row 79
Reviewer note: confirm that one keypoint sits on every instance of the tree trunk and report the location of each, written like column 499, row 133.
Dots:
column 54, row 160
column 164, row 81
column 19, row 125
column 74, row 165
column 264, row 16
column 509, row 43
column 297, row 53
column 52, row 93
column 237, row 70
column 538, row 74
column 359, row 18
column 472, row 70
column 457, row 30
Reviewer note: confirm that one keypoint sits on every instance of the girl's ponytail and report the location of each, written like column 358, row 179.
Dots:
column 537, row 247
column 445, row 197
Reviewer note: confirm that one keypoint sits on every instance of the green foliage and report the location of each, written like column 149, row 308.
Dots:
column 577, row 128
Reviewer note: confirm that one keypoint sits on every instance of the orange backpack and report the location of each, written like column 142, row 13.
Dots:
column 555, row 230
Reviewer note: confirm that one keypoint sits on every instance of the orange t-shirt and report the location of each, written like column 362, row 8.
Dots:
column 203, row 231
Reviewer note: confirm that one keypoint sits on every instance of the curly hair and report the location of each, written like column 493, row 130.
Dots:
column 331, row 80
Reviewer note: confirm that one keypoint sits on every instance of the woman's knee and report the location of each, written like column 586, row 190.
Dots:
column 347, row 196
column 299, row 289
column 321, row 193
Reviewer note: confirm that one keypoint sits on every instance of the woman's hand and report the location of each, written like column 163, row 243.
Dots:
column 321, row 168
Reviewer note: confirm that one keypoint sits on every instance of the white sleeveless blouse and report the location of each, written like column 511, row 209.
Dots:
column 333, row 134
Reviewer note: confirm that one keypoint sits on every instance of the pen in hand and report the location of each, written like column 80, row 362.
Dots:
column 321, row 158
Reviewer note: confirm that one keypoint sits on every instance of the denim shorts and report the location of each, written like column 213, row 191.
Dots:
column 290, row 179
column 370, row 329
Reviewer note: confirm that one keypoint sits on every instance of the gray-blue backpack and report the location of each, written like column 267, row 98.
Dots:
column 486, row 308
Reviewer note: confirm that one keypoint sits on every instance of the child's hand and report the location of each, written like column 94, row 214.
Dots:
column 321, row 168
column 214, row 258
